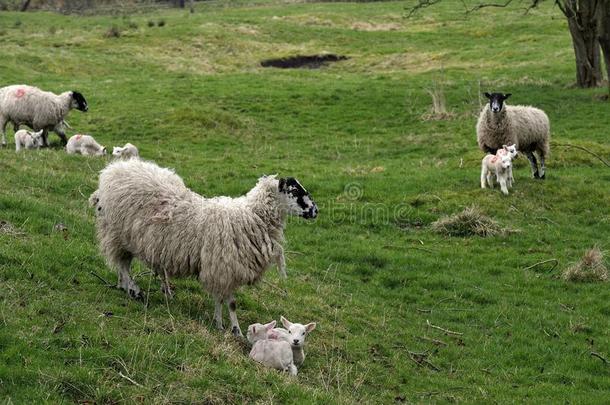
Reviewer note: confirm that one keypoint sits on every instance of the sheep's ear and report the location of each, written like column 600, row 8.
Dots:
column 507, row 95
column 282, row 184
column 270, row 325
column 253, row 328
column 487, row 95
column 504, row 147
column 310, row 326
column 287, row 324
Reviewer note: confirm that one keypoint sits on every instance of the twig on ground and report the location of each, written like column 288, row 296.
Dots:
column 106, row 283
column 130, row 380
column 567, row 145
column 447, row 331
column 599, row 356
column 421, row 359
column 434, row 341
column 555, row 261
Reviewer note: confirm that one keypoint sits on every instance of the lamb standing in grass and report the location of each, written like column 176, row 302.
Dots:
column 27, row 140
column 125, row 152
column 28, row 105
column 273, row 353
column 500, row 165
column 509, row 150
column 526, row 127
column 147, row 212
column 84, row 145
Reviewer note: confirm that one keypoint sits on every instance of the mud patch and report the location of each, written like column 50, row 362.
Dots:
column 303, row 61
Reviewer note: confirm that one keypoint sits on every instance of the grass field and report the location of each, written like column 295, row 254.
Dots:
column 192, row 96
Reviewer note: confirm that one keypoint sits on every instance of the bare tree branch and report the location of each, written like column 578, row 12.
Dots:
column 422, row 4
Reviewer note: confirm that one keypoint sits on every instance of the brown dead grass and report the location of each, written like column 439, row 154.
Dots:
column 589, row 268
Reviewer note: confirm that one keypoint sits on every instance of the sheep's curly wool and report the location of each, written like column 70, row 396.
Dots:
column 147, row 212
column 525, row 126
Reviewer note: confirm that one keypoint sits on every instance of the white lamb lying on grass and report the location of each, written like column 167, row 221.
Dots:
column 125, row 152
column 28, row 140
column 500, row 165
column 84, row 145
column 272, row 353
column 294, row 334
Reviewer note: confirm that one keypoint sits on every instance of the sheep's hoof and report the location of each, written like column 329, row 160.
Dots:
column 543, row 176
column 536, row 175
column 236, row 332
column 136, row 295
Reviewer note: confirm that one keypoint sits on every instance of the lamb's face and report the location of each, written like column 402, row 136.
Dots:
column 297, row 332
column 506, row 162
column 297, row 200
column 510, row 150
column 258, row 331
column 37, row 139
column 496, row 101
column 79, row 102
column 117, row 151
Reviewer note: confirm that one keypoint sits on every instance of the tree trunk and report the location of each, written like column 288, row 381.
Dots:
column 583, row 29
column 192, row 4
column 25, row 5
column 603, row 34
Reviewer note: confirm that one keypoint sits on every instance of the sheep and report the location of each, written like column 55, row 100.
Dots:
column 500, row 165
column 526, row 127
column 145, row 211
column 294, row 334
column 84, row 145
column 270, row 352
column 28, row 105
column 510, row 150
column 125, row 152
column 27, row 140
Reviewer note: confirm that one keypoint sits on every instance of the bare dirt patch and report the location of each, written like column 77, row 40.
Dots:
column 303, row 61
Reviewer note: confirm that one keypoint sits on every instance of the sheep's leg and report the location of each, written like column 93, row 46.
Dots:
column 218, row 313
column 490, row 180
column 233, row 316
column 542, row 166
column 62, row 135
column 3, row 123
column 281, row 262
column 502, row 181
column 533, row 163
column 125, row 281
column 45, row 138
column 292, row 370
column 165, row 285
column 510, row 177
column 483, row 177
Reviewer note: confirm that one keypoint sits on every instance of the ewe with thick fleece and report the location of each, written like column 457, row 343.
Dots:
column 84, row 145
column 27, row 140
column 125, row 152
column 500, row 165
column 28, row 105
column 272, row 353
column 147, row 212
column 526, row 127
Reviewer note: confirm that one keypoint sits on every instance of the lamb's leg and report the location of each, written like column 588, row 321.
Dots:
column 233, row 316
column 542, row 166
column 490, row 179
column 281, row 262
column 502, row 181
column 510, row 177
column 125, row 281
column 483, row 177
column 292, row 370
column 3, row 123
column 298, row 355
column 533, row 163
column 218, row 313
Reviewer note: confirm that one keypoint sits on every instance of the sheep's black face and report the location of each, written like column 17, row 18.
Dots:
column 298, row 200
column 79, row 101
column 496, row 101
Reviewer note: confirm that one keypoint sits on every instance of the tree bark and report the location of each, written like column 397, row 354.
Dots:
column 581, row 17
column 603, row 34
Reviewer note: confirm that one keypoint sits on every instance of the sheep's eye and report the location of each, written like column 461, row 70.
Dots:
column 303, row 334
column 290, row 332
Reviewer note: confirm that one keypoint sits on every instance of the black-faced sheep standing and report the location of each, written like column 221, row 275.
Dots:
column 28, row 105
column 527, row 127
column 147, row 212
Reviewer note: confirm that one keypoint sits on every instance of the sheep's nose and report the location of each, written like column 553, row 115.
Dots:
column 296, row 341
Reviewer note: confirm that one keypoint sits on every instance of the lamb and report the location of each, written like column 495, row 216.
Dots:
column 147, row 212
column 526, row 127
column 27, row 140
column 509, row 150
column 125, row 152
column 270, row 352
column 84, row 145
column 294, row 334
column 28, row 105
column 500, row 165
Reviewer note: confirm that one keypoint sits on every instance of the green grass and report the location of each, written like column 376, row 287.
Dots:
column 192, row 96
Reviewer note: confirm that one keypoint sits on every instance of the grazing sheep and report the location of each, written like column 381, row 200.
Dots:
column 270, row 352
column 526, row 127
column 28, row 105
column 147, row 212
column 125, row 152
column 510, row 150
column 27, row 140
column 84, row 145
column 500, row 165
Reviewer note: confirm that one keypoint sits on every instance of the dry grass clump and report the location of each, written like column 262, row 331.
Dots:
column 6, row 228
column 470, row 222
column 590, row 268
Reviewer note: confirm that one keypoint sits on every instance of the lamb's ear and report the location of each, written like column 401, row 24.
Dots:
column 310, row 326
column 270, row 325
column 507, row 95
column 287, row 324
column 505, row 147
column 282, row 184
column 253, row 328
column 487, row 95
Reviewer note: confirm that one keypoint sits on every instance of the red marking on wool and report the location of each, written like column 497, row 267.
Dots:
column 78, row 136
column 19, row 93
column 494, row 159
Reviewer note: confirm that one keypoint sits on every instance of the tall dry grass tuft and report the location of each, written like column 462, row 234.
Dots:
column 589, row 268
